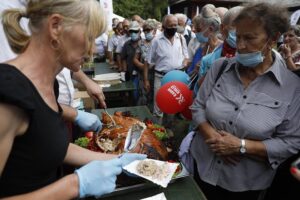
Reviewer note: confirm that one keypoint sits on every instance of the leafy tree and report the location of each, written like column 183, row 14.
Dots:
column 144, row 8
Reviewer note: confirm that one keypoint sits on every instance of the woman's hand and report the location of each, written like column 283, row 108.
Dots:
column 225, row 145
column 286, row 50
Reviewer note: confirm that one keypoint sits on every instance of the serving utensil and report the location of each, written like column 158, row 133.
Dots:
column 111, row 118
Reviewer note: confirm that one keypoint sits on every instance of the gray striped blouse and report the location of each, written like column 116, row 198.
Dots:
column 267, row 110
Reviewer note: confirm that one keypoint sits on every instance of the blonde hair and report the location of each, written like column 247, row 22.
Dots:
column 86, row 12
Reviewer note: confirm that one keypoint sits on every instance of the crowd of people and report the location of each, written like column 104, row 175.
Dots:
column 246, row 108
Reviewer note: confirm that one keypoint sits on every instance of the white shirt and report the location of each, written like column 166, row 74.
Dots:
column 66, row 87
column 5, row 51
column 113, row 42
column 192, row 47
column 167, row 56
column 187, row 33
column 121, row 43
column 101, row 44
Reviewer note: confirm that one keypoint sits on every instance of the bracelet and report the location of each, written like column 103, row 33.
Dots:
column 287, row 57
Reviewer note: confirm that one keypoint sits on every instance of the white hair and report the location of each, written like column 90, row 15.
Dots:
column 181, row 16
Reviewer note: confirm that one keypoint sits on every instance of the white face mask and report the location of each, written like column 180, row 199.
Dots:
column 251, row 59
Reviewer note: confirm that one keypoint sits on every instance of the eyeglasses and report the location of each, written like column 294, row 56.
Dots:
column 133, row 31
column 147, row 30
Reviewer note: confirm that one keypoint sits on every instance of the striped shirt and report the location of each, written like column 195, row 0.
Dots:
column 268, row 110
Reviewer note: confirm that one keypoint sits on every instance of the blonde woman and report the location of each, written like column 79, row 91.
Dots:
column 33, row 137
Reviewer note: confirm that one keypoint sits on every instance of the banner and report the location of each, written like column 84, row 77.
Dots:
column 108, row 9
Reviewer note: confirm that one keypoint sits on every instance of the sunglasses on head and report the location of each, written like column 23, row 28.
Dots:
column 147, row 30
column 133, row 31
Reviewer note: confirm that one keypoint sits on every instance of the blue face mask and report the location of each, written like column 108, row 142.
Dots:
column 134, row 37
column 201, row 38
column 250, row 59
column 149, row 36
column 231, row 39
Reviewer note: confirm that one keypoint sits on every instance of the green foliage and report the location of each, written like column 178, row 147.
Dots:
column 144, row 8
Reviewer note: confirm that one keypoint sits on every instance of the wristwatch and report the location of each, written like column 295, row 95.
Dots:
column 243, row 146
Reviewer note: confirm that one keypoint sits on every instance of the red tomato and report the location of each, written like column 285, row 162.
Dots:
column 89, row 134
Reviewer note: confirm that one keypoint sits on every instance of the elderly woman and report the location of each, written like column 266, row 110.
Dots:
column 247, row 116
column 207, row 26
column 290, row 48
column 33, row 138
column 226, row 49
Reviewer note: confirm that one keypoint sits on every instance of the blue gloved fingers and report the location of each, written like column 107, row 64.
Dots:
column 111, row 185
column 127, row 158
column 88, row 121
column 98, row 126
column 98, row 177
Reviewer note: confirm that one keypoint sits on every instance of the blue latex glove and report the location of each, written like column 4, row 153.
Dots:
column 98, row 177
column 88, row 121
column 127, row 158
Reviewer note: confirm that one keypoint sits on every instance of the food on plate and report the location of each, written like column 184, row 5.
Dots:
column 152, row 169
column 82, row 141
column 178, row 169
column 111, row 139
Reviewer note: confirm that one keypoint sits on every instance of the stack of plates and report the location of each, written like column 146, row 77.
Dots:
column 109, row 78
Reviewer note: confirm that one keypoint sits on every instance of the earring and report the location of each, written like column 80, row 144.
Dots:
column 55, row 44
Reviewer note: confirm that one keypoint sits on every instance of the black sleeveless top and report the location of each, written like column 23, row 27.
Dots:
column 36, row 156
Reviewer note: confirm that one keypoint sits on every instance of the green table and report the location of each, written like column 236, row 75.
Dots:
column 179, row 189
column 104, row 68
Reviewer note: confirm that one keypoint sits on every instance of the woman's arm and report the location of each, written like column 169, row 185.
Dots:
column 78, row 156
column 65, row 188
column 93, row 89
column 13, row 122
column 290, row 63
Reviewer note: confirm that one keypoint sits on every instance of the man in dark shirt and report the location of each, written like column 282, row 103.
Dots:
column 128, row 53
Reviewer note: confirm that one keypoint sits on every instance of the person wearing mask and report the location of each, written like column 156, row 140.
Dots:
column 182, row 28
column 146, row 93
column 226, row 49
column 247, row 113
column 86, row 121
column 206, row 33
column 167, row 52
column 33, row 138
column 124, row 38
column 127, row 55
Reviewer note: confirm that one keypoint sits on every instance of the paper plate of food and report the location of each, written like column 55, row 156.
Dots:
column 156, row 171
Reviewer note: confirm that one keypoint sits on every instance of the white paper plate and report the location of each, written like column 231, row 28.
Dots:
column 160, row 196
column 162, row 181
column 107, row 77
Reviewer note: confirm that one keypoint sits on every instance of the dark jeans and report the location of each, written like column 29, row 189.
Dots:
column 217, row 193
